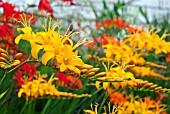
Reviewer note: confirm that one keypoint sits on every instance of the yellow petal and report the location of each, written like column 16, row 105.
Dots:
column 59, row 58
column 40, row 37
column 98, row 84
column 77, row 71
column 89, row 112
column 46, row 57
column 27, row 29
column 18, row 38
column 49, row 48
column 63, row 67
column 67, row 50
column 20, row 92
column 35, row 50
column 78, row 62
column 105, row 85
column 71, row 67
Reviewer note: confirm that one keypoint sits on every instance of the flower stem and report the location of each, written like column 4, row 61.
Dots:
column 15, row 68
column 27, row 61
column 46, row 106
column 101, row 105
column 3, row 77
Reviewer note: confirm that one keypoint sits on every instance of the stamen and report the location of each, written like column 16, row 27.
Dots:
column 105, row 67
column 152, row 30
column 68, row 29
column 29, row 21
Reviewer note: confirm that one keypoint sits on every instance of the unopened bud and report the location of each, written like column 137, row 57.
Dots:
column 94, row 70
column 91, row 74
column 3, row 51
column 100, row 74
column 4, row 55
column 158, row 88
column 18, row 55
column 3, row 59
column 90, row 56
column 86, row 66
column 153, row 86
column 83, row 71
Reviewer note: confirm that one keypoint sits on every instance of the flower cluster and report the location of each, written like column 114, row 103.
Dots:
column 116, row 73
column 109, row 23
column 132, row 105
column 146, row 72
column 150, row 41
column 57, row 48
column 6, row 62
column 25, row 73
column 40, row 87
column 137, row 105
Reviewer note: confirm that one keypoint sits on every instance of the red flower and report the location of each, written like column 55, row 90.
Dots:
column 6, row 30
column 64, row 80
column 69, row 1
column 8, row 10
column 104, row 39
column 25, row 74
column 45, row 5
column 161, row 96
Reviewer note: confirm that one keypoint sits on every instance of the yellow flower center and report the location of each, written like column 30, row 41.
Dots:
column 66, row 61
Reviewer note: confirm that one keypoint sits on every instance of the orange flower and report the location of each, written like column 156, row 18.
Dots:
column 76, row 83
column 107, row 23
column 97, row 25
column 119, row 23
column 118, row 98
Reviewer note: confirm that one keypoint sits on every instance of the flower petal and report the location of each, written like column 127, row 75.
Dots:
column 46, row 57
column 18, row 38
column 35, row 50
column 78, row 62
column 63, row 67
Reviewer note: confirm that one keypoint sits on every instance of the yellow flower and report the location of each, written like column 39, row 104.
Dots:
column 40, row 87
column 56, row 47
column 135, row 105
column 148, row 41
column 69, row 59
column 49, row 41
column 27, row 34
column 116, row 73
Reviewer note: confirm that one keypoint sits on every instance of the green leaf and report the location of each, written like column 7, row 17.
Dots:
column 144, row 14
column 2, row 94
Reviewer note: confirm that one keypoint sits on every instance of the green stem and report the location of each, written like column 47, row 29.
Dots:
column 101, row 105
column 27, row 61
column 15, row 68
column 46, row 106
column 55, row 103
column 22, row 110
column 3, row 77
